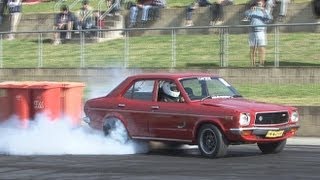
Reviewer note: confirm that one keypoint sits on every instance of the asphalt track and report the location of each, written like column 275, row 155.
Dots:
column 299, row 160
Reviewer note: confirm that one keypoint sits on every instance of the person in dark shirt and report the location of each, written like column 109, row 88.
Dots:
column 63, row 21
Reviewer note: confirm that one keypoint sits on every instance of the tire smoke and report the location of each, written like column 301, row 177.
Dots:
column 47, row 137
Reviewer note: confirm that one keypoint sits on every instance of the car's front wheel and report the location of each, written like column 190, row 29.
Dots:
column 115, row 129
column 211, row 141
column 273, row 147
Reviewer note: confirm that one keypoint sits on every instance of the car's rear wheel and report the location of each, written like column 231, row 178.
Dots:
column 211, row 141
column 115, row 129
column 273, row 147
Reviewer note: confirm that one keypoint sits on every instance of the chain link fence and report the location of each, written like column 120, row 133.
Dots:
column 200, row 47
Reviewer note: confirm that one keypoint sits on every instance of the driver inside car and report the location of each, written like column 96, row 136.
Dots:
column 169, row 93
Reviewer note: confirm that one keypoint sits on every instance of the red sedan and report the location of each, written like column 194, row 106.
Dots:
column 190, row 108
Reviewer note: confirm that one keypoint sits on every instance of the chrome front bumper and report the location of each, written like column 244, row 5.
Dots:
column 262, row 130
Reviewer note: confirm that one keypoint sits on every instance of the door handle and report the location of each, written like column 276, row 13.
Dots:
column 155, row 107
column 182, row 125
column 121, row 105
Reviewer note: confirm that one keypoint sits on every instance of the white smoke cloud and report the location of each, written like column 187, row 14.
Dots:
column 98, row 88
column 47, row 137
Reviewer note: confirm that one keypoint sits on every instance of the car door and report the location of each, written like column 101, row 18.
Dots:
column 171, row 120
column 136, row 107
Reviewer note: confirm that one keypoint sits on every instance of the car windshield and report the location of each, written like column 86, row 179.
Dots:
column 202, row 88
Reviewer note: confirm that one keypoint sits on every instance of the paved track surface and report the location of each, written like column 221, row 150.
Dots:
column 297, row 161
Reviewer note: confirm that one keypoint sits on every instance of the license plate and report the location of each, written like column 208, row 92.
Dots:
column 274, row 134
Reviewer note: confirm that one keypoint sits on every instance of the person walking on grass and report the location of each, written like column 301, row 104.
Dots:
column 258, row 17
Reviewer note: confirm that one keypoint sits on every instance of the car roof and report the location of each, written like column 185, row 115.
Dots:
column 171, row 75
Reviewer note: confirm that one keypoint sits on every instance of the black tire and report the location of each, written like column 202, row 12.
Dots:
column 211, row 141
column 274, row 147
column 115, row 129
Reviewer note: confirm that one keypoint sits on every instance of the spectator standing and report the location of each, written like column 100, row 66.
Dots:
column 258, row 17
column 144, row 6
column 63, row 21
column 14, row 7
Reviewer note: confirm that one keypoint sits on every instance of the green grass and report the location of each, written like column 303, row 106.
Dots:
column 201, row 51
column 289, row 94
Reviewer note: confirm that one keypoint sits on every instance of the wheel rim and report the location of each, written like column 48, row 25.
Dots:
column 115, row 129
column 208, row 141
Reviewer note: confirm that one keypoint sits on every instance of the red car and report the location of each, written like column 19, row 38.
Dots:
column 191, row 108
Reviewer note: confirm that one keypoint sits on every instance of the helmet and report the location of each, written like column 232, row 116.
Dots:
column 170, row 89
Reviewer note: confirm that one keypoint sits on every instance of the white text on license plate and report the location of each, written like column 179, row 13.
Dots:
column 273, row 134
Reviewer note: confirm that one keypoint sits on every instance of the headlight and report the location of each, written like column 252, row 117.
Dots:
column 244, row 119
column 295, row 116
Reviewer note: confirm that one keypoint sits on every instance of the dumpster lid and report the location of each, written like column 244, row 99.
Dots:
column 14, row 84
column 39, row 84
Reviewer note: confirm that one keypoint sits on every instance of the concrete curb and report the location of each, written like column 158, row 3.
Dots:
column 304, row 141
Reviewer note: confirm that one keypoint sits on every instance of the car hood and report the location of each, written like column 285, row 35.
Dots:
column 243, row 105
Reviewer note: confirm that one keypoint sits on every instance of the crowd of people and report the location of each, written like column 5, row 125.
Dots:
column 86, row 18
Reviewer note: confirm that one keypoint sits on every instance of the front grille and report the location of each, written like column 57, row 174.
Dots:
column 272, row 118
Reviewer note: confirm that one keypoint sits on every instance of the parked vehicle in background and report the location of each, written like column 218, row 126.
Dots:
column 189, row 108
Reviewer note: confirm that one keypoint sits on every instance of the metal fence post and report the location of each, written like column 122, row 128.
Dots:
column 82, row 41
column 40, row 51
column 276, row 46
column 126, row 49
column 1, row 51
column 223, row 54
column 173, row 49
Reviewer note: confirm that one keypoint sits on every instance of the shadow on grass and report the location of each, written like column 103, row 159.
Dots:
column 296, row 64
column 44, row 41
column 292, row 64
column 202, row 65
column 268, row 64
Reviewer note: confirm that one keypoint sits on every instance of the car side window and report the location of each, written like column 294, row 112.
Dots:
column 192, row 88
column 141, row 90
